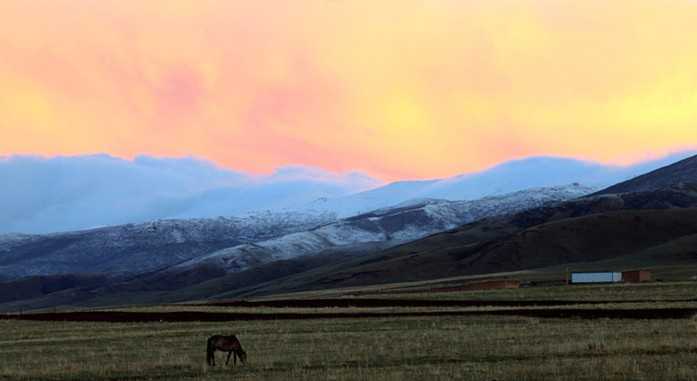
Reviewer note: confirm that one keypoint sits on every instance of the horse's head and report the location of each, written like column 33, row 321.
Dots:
column 243, row 355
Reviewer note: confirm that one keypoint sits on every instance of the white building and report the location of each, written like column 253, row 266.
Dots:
column 596, row 277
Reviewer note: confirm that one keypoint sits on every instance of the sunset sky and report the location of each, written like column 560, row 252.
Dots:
column 396, row 89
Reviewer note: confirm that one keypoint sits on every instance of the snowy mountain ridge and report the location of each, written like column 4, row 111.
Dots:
column 137, row 248
column 390, row 226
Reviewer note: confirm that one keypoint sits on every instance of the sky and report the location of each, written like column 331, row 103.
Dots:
column 395, row 89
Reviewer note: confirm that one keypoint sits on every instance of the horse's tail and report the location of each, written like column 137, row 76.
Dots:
column 210, row 351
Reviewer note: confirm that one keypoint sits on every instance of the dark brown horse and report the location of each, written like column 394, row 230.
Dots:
column 229, row 344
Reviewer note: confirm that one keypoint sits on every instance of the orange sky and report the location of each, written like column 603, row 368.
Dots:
column 399, row 89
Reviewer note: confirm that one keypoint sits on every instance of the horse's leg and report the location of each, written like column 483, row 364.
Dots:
column 228, row 357
column 234, row 359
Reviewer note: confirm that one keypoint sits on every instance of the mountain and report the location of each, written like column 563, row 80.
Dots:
column 233, row 244
column 39, row 286
column 159, row 258
column 138, row 248
column 684, row 171
column 391, row 226
column 504, row 178
column 649, row 222
column 636, row 229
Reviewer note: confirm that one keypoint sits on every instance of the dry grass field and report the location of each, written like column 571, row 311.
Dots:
column 663, row 291
column 466, row 346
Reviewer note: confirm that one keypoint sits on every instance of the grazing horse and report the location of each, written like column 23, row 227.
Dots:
column 228, row 344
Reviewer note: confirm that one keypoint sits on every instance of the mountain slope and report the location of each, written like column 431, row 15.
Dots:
column 249, row 263
column 584, row 230
column 140, row 248
column 234, row 244
column 684, row 171
column 392, row 226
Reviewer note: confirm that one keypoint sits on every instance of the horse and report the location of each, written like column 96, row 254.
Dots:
column 229, row 344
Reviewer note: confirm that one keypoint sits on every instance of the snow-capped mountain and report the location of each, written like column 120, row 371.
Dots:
column 391, row 226
column 140, row 248
column 502, row 179
column 234, row 244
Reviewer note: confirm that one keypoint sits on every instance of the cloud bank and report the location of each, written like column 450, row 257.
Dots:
column 40, row 195
column 511, row 176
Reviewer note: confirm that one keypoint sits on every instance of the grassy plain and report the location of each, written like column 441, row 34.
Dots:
column 658, row 291
column 387, row 348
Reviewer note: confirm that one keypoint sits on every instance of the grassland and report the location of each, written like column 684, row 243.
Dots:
column 651, row 291
column 663, row 291
column 467, row 346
